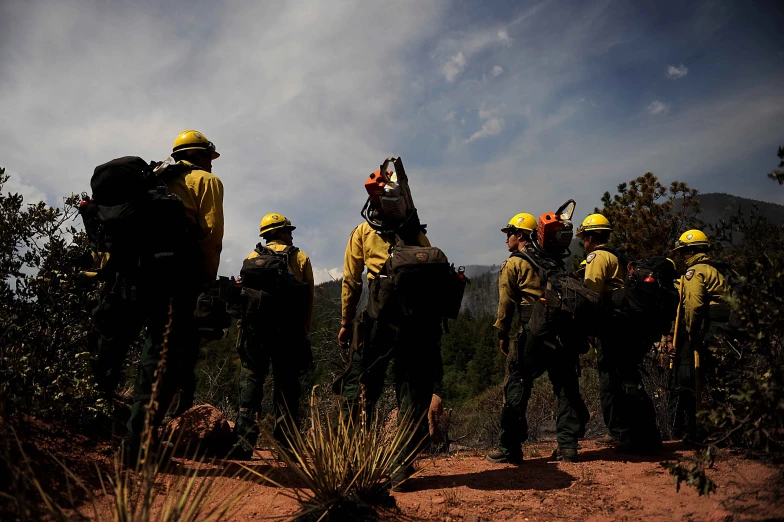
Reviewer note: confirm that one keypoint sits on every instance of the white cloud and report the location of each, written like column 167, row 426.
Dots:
column 322, row 275
column 492, row 127
column 299, row 90
column 289, row 85
column 657, row 108
column 15, row 185
column 450, row 116
column 497, row 70
column 453, row 67
column 674, row 72
column 487, row 113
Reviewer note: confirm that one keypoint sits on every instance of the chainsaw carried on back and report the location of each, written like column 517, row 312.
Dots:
column 554, row 231
column 568, row 310
column 390, row 207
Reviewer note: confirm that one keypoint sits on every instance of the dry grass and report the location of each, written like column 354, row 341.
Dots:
column 156, row 490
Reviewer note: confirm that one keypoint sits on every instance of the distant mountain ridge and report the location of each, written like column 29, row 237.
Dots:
column 481, row 295
column 717, row 206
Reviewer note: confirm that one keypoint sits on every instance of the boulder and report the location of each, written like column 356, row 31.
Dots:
column 202, row 427
column 438, row 421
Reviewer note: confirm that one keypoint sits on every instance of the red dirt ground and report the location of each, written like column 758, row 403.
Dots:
column 604, row 486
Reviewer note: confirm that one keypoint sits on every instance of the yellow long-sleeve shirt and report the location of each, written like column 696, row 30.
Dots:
column 703, row 286
column 202, row 194
column 303, row 271
column 603, row 272
column 518, row 284
column 365, row 248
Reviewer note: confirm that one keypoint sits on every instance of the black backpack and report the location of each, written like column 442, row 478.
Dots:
column 273, row 297
column 648, row 301
column 415, row 284
column 139, row 222
column 570, row 310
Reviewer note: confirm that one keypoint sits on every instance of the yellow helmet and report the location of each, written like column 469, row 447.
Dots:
column 272, row 222
column 194, row 140
column 522, row 221
column 592, row 223
column 692, row 238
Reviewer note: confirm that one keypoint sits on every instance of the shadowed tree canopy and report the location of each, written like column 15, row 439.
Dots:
column 648, row 217
column 778, row 174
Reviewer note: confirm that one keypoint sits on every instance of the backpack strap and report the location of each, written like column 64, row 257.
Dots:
column 543, row 268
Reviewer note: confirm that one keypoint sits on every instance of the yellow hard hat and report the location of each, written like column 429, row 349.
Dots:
column 692, row 238
column 593, row 223
column 521, row 221
column 272, row 222
column 194, row 140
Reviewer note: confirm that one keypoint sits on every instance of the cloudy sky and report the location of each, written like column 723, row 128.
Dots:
column 496, row 107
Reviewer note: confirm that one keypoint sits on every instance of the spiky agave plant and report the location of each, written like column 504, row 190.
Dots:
column 152, row 491
column 345, row 463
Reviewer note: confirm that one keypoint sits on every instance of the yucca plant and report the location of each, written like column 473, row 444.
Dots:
column 151, row 491
column 345, row 464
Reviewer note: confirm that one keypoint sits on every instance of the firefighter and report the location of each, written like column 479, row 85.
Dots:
column 519, row 287
column 413, row 347
column 285, row 345
column 626, row 407
column 703, row 314
column 192, row 180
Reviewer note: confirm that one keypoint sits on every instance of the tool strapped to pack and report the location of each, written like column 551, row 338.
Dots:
column 648, row 300
column 568, row 308
column 134, row 218
column 416, row 283
column 273, row 297
column 212, row 313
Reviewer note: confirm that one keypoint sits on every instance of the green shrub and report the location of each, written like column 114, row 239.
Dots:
column 44, row 312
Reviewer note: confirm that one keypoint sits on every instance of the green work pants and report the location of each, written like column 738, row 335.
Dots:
column 627, row 408
column 415, row 353
column 528, row 359
column 682, row 403
column 257, row 351
column 117, row 320
column 170, row 322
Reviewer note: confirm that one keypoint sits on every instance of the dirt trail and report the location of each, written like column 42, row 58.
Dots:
column 604, row 486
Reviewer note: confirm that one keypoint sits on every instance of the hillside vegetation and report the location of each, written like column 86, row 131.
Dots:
column 45, row 325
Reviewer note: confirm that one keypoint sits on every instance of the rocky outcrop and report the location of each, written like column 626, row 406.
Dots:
column 201, row 429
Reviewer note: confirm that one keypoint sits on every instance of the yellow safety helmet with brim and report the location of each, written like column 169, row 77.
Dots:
column 194, row 140
column 692, row 239
column 522, row 221
column 593, row 223
column 274, row 221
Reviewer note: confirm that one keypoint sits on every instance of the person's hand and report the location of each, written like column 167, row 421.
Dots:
column 503, row 345
column 344, row 335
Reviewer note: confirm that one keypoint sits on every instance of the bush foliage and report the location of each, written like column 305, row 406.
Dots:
column 44, row 311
